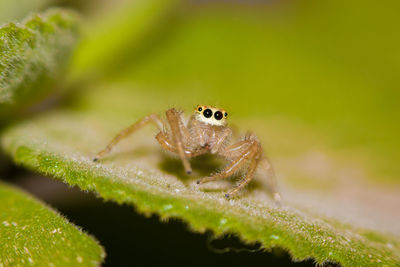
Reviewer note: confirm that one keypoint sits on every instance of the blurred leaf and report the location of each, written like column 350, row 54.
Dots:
column 33, row 54
column 114, row 33
column 33, row 234
column 18, row 9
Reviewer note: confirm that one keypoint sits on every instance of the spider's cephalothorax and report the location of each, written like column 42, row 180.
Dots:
column 205, row 132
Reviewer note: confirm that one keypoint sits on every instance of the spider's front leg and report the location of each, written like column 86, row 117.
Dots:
column 152, row 118
column 178, row 129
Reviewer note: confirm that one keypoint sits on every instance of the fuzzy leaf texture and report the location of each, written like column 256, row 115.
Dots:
column 33, row 54
column 32, row 234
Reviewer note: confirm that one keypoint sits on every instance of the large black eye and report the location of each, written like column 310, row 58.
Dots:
column 218, row 115
column 207, row 113
column 200, row 109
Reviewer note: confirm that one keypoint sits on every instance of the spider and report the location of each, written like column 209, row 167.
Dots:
column 205, row 132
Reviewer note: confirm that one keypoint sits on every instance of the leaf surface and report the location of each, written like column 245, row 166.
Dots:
column 33, row 234
column 33, row 55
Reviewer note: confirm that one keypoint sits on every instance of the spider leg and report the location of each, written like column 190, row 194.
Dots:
column 250, row 148
column 176, row 124
column 249, row 175
column 152, row 118
column 235, row 150
column 170, row 146
column 266, row 165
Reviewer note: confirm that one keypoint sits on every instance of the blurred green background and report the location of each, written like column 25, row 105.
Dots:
column 330, row 67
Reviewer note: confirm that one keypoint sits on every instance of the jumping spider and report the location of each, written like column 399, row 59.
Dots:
column 205, row 132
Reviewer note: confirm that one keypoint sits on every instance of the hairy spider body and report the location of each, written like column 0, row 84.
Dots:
column 205, row 132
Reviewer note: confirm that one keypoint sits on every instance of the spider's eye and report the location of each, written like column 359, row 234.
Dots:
column 200, row 109
column 207, row 113
column 226, row 114
column 218, row 115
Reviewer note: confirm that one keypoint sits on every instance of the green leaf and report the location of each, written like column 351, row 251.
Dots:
column 18, row 9
column 33, row 55
column 33, row 234
column 129, row 24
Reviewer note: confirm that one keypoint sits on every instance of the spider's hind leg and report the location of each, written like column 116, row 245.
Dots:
column 271, row 179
